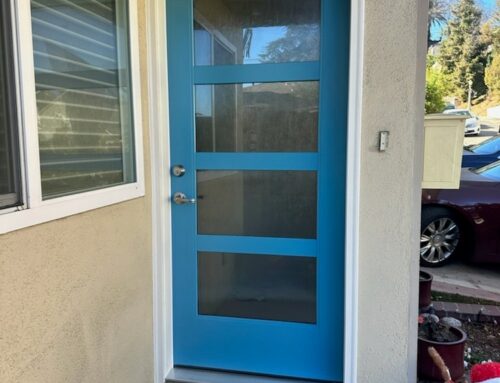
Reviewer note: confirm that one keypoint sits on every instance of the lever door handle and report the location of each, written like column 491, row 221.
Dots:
column 181, row 199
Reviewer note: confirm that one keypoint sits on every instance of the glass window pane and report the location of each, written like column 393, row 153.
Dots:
column 83, row 91
column 9, row 160
column 492, row 172
column 490, row 146
column 257, row 286
column 257, row 203
column 256, row 31
column 260, row 117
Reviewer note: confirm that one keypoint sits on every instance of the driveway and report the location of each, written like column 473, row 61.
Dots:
column 489, row 128
column 469, row 280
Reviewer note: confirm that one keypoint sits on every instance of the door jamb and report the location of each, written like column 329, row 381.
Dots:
column 353, row 188
column 155, row 13
column 156, row 36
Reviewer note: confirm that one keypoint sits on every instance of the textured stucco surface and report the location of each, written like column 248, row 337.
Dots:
column 76, row 293
column 393, row 96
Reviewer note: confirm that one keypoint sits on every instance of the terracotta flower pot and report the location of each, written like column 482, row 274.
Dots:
column 452, row 354
column 424, row 290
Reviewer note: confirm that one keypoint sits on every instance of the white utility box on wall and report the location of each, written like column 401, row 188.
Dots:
column 443, row 149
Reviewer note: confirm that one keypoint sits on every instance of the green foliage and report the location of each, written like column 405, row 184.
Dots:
column 463, row 53
column 491, row 30
column 494, row 24
column 492, row 76
column 435, row 91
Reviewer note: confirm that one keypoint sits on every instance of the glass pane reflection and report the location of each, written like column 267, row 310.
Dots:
column 257, row 203
column 83, row 94
column 257, row 286
column 256, row 31
column 269, row 117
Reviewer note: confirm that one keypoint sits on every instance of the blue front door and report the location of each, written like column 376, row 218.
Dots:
column 258, row 105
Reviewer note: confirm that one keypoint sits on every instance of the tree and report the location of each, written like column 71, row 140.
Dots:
column 434, row 102
column 438, row 9
column 494, row 24
column 492, row 76
column 464, row 51
column 496, row 16
column 436, row 87
column 492, row 73
column 300, row 43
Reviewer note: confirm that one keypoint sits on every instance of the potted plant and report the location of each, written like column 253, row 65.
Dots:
column 449, row 342
column 424, row 290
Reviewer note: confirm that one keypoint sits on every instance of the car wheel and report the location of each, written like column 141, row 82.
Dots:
column 441, row 237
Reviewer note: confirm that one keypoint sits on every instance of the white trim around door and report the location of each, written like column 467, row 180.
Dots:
column 160, row 187
column 160, row 165
column 353, row 187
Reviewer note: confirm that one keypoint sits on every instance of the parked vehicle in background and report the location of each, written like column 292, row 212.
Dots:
column 481, row 154
column 472, row 125
column 463, row 222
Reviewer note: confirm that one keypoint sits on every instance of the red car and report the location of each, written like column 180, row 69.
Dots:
column 463, row 222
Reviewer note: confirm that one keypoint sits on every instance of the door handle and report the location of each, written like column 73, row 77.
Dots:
column 181, row 199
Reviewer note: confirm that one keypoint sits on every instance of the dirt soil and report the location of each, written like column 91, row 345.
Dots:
column 437, row 332
column 484, row 341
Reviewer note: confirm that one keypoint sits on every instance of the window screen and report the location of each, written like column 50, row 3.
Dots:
column 83, row 93
column 10, row 194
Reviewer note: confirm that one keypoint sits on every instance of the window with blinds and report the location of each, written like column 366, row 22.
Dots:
column 10, row 185
column 83, row 94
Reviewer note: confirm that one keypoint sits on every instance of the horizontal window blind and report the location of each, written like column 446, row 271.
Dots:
column 83, row 94
column 10, row 186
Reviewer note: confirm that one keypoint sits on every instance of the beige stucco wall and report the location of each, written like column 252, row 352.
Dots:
column 76, row 294
column 393, row 99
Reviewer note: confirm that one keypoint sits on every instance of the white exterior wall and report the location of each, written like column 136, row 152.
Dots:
column 493, row 112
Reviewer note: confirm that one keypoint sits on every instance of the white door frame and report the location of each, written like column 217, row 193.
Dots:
column 160, row 189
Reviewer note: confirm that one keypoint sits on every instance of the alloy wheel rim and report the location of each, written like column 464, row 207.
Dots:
column 439, row 240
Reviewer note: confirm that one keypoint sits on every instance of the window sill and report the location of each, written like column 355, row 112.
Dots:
column 66, row 206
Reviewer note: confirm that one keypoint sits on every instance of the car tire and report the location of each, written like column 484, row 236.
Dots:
column 441, row 237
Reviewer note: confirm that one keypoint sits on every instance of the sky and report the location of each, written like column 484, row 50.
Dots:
column 488, row 7
column 488, row 4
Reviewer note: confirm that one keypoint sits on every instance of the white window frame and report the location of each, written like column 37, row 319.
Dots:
column 35, row 210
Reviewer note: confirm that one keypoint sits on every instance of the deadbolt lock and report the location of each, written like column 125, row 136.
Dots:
column 178, row 170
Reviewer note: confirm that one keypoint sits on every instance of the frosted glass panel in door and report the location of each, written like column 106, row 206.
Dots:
column 258, row 117
column 257, row 203
column 257, row 286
